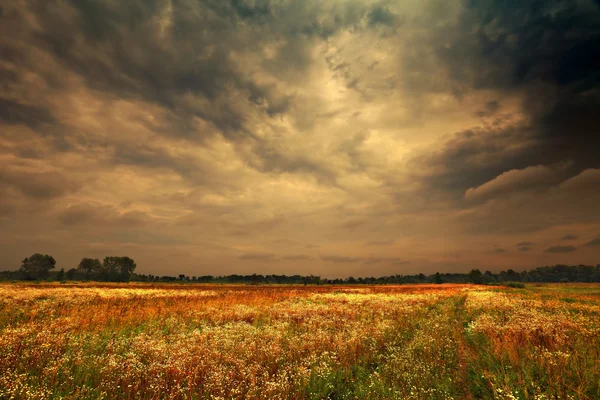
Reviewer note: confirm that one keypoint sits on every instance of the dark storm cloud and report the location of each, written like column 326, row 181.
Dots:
column 560, row 249
column 122, row 48
column 548, row 51
column 121, row 52
column 568, row 236
column 381, row 15
column 473, row 157
column 186, row 58
column 13, row 112
column 490, row 108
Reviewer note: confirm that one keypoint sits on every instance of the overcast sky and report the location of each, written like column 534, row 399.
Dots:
column 338, row 137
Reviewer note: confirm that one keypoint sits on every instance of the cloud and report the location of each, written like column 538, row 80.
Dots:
column 379, row 243
column 497, row 251
column 389, row 260
column 490, row 108
column 41, row 185
column 341, row 259
column 364, row 260
column 514, row 181
column 230, row 125
column 298, row 257
column 257, row 256
column 560, row 249
column 524, row 246
column 534, row 49
column 594, row 242
column 13, row 112
column 588, row 180
column 569, row 236
column 100, row 215
column 521, row 244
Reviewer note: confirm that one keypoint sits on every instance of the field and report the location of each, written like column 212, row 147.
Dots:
column 136, row 341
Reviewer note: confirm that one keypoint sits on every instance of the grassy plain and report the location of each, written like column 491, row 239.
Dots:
column 142, row 341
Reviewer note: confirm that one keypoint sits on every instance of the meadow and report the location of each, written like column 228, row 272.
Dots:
column 178, row 341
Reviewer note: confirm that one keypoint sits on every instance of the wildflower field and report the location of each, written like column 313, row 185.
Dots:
column 171, row 341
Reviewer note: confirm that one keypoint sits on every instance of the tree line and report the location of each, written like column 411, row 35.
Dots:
column 122, row 269
column 41, row 266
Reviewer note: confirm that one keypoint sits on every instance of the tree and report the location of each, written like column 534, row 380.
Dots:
column 38, row 266
column 91, row 267
column 438, row 278
column 118, row 268
column 475, row 276
column 60, row 276
column 70, row 274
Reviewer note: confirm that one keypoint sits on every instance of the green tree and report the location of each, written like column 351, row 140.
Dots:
column 60, row 276
column 90, row 267
column 475, row 276
column 438, row 278
column 118, row 268
column 37, row 266
column 70, row 274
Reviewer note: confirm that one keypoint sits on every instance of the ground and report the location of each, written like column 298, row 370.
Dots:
column 183, row 341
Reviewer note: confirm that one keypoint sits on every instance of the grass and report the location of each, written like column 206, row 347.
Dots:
column 142, row 341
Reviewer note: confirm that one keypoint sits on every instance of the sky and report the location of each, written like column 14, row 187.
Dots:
column 336, row 138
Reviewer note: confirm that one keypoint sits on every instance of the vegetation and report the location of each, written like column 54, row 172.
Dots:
column 37, row 266
column 437, row 341
column 122, row 269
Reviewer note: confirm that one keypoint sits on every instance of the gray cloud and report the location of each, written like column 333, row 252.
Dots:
column 38, row 185
column 523, row 244
column 100, row 215
column 544, row 51
column 560, row 249
column 569, row 236
column 497, row 251
column 491, row 108
column 594, row 242
column 13, row 112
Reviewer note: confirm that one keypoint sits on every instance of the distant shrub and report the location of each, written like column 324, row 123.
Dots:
column 516, row 285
